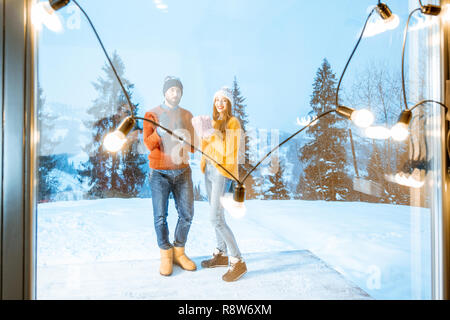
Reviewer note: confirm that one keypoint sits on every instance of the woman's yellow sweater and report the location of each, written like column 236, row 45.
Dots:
column 224, row 148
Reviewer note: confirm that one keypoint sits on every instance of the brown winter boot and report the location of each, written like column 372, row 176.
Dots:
column 218, row 260
column 180, row 258
column 166, row 267
column 237, row 269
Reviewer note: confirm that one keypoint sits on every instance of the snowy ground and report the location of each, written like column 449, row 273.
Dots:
column 382, row 249
column 283, row 275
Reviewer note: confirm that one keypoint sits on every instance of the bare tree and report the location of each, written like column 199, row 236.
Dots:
column 378, row 88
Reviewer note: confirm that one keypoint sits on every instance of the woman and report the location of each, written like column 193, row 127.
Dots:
column 222, row 144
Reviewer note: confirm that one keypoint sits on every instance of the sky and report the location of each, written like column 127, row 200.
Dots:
column 273, row 48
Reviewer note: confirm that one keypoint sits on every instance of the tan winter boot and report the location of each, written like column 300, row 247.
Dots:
column 219, row 259
column 237, row 269
column 180, row 258
column 166, row 267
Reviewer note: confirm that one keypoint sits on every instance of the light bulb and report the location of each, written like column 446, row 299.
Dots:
column 362, row 118
column 114, row 141
column 43, row 13
column 234, row 208
column 399, row 132
column 378, row 132
column 386, row 21
column 431, row 9
column 409, row 181
column 392, row 22
column 445, row 14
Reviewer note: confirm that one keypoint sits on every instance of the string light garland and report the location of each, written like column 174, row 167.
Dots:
column 430, row 9
column 363, row 118
column 114, row 141
column 400, row 131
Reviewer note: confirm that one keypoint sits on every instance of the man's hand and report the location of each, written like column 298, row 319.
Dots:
column 183, row 134
column 179, row 153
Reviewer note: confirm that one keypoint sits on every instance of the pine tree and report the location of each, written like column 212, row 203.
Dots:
column 48, row 184
column 300, row 190
column 239, row 106
column 401, row 194
column 277, row 189
column 325, row 176
column 375, row 173
column 117, row 174
column 133, row 172
column 258, row 185
column 198, row 193
column 240, row 113
column 376, row 168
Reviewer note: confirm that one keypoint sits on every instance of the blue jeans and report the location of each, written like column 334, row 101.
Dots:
column 179, row 182
column 216, row 186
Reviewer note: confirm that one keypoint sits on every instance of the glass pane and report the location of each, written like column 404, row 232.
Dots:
column 325, row 218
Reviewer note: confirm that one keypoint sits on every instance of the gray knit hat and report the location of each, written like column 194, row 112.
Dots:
column 171, row 81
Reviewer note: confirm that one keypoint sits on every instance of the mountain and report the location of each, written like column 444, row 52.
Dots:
column 73, row 135
column 261, row 143
column 68, row 128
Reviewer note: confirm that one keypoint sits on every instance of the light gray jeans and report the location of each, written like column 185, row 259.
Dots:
column 216, row 186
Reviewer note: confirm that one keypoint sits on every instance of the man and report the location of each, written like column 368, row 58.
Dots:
column 171, row 173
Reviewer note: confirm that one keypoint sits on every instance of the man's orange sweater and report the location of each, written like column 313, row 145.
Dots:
column 165, row 152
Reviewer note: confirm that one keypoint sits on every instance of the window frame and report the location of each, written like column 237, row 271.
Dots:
column 18, row 160
column 18, row 132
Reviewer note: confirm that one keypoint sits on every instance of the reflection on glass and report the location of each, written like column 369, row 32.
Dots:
column 378, row 132
column 377, row 25
column 43, row 14
column 362, row 118
column 399, row 132
column 327, row 203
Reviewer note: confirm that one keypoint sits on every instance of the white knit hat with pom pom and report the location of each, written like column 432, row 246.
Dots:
column 225, row 92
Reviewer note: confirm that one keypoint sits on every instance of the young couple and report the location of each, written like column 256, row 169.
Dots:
column 171, row 173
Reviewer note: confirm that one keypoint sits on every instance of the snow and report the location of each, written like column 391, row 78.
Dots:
column 284, row 275
column 69, row 186
column 382, row 249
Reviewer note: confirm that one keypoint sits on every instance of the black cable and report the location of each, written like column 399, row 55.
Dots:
column 129, row 101
column 351, row 55
column 442, row 105
column 403, row 58
column 188, row 143
column 448, row 143
column 254, row 167
column 192, row 146
column 428, row 101
column 286, row 140
column 107, row 56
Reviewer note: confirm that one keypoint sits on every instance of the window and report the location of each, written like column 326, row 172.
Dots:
column 329, row 202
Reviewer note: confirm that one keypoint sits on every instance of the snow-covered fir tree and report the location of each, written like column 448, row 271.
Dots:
column 117, row 174
column 277, row 189
column 198, row 196
column 325, row 176
column 375, row 173
column 240, row 113
column 48, row 184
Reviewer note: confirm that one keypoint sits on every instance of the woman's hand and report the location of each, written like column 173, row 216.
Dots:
column 203, row 126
